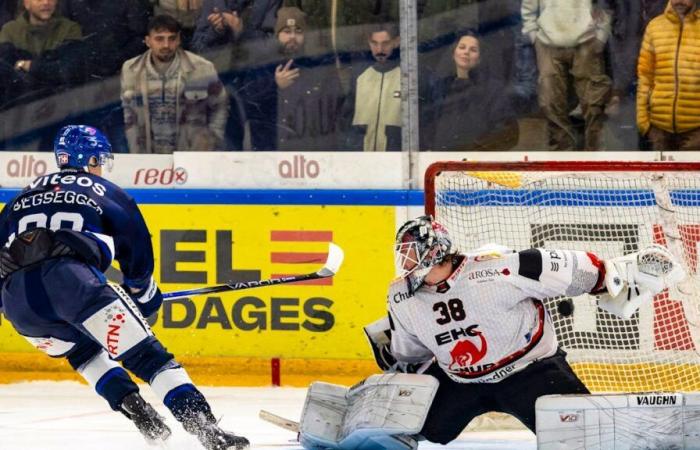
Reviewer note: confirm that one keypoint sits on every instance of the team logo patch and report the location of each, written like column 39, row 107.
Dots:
column 116, row 328
column 568, row 417
column 466, row 353
column 62, row 157
column 485, row 275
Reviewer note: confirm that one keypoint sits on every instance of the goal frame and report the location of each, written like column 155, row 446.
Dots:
column 438, row 167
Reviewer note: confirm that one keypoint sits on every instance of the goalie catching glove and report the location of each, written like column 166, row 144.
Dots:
column 635, row 279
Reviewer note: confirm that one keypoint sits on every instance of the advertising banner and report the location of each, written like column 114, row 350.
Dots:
column 18, row 169
column 292, row 170
column 201, row 245
column 287, row 170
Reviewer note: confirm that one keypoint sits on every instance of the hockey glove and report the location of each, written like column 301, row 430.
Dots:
column 635, row 279
column 379, row 336
column 148, row 300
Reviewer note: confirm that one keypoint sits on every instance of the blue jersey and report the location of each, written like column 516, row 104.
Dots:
column 87, row 203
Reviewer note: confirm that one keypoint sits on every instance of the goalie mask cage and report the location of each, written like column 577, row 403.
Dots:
column 611, row 209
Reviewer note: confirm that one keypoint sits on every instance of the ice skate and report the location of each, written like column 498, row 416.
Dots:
column 147, row 420
column 212, row 436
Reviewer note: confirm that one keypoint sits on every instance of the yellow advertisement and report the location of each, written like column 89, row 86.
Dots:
column 203, row 245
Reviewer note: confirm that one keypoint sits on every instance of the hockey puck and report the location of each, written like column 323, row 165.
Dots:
column 565, row 307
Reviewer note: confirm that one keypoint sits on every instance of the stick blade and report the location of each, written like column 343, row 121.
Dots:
column 333, row 262
column 280, row 421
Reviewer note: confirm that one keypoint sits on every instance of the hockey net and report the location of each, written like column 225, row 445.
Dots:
column 610, row 208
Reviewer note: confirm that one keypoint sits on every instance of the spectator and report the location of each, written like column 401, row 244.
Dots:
column 37, row 52
column 339, row 31
column 629, row 20
column 220, row 27
column 185, row 12
column 225, row 21
column 374, row 102
column 172, row 98
column 668, row 109
column 220, row 23
column 38, row 30
column 308, row 89
column 476, row 111
column 569, row 38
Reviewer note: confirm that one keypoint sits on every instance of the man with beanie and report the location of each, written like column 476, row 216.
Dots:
column 299, row 94
column 668, row 109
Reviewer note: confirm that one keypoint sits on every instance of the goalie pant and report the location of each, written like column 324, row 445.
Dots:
column 95, row 325
column 456, row 404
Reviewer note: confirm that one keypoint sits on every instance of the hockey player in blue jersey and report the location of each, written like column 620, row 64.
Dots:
column 58, row 237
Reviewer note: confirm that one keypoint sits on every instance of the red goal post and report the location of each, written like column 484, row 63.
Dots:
column 610, row 208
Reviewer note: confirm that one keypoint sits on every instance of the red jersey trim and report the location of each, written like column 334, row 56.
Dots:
column 601, row 272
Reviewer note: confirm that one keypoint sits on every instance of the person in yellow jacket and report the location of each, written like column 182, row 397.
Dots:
column 668, row 95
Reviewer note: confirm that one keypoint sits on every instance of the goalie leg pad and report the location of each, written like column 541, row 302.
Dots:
column 381, row 412
column 621, row 421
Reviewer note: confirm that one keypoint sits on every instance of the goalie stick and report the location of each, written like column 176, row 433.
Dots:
column 330, row 268
column 280, row 421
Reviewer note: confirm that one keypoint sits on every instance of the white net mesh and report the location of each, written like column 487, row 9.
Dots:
column 611, row 214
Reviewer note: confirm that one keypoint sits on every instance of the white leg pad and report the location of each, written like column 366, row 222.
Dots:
column 94, row 369
column 619, row 422
column 381, row 412
column 169, row 379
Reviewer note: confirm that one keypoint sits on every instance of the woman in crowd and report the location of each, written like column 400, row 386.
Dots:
column 475, row 110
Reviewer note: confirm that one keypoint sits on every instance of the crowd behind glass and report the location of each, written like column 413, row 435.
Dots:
column 159, row 76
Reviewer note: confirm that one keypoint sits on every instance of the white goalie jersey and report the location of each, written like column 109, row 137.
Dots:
column 486, row 321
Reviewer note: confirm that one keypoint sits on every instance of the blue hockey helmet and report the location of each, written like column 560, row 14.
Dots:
column 76, row 145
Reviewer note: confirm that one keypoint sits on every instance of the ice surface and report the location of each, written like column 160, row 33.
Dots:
column 70, row 416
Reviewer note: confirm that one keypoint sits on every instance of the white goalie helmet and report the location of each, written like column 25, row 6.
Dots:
column 420, row 244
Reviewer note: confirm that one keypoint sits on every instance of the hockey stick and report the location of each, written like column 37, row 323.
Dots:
column 280, row 421
column 330, row 268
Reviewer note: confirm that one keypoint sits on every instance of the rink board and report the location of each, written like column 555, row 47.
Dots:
column 217, row 236
column 204, row 237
